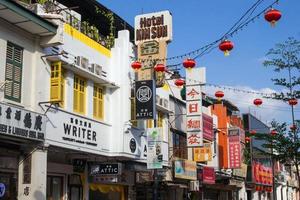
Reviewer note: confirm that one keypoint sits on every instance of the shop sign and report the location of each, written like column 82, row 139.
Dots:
column 2, row 189
column 262, row 174
column 105, row 169
column 203, row 154
column 208, row 132
column 154, row 148
column 208, row 175
column 144, row 96
column 153, row 26
column 185, row 169
column 194, row 185
column 143, row 177
column 240, row 172
column 21, row 123
column 235, row 159
column 236, row 131
column 194, row 123
column 79, row 165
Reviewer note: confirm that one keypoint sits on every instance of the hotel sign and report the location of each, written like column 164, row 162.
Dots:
column 153, row 26
column 144, row 96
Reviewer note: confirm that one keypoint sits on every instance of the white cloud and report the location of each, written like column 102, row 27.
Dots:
column 269, row 110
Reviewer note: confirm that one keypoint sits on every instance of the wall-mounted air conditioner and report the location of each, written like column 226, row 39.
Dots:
column 82, row 62
column 97, row 69
column 163, row 102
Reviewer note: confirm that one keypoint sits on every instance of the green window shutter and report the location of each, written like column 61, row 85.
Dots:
column 13, row 72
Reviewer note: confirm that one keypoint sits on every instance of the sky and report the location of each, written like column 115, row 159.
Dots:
column 197, row 23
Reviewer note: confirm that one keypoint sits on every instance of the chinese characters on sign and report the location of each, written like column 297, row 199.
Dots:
column 203, row 154
column 194, row 124
column 18, row 122
column 234, row 149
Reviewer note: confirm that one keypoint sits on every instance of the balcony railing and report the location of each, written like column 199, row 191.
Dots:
column 84, row 27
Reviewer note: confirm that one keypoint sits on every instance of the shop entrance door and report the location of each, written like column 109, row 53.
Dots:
column 8, row 186
column 54, row 188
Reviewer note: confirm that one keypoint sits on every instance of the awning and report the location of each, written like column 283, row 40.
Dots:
column 19, row 16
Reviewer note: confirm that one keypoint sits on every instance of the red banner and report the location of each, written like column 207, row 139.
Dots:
column 262, row 175
column 208, row 132
column 234, row 151
column 207, row 175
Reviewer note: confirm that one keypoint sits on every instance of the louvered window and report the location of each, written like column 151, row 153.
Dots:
column 79, row 95
column 98, row 103
column 57, row 83
column 13, row 72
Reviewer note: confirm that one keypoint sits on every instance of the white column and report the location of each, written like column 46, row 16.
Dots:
column 89, row 98
column 38, row 185
column 69, row 82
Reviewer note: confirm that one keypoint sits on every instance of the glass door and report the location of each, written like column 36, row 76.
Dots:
column 54, row 188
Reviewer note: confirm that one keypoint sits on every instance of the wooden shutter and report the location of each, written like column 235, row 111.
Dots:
column 79, row 95
column 57, row 83
column 98, row 102
column 13, row 72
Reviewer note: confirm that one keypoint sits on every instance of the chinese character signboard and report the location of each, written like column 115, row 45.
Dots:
column 234, row 149
column 17, row 122
column 194, row 123
column 203, row 154
column 262, row 174
column 207, row 175
column 208, row 132
column 144, row 96
column 154, row 148
column 185, row 169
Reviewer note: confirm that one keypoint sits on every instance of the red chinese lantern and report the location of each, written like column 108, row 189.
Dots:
column 160, row 68
column 179, row 82
column 293, row 101
column 219, row 95
column 257, row 102
column 247, row 139
column 136, row 65
column 189, row 63
column 253, row 132
column 226, row 46
column 272, row 16
column 273, row 132
column 293, row 127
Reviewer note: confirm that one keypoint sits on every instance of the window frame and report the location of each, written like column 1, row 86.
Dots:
column 10, row 82
column 79, row 89
column 98, row 110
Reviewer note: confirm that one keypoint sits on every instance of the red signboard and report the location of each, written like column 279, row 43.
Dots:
column 262, row 175
column 208, row 132
column 207, row 175
column 234, row 151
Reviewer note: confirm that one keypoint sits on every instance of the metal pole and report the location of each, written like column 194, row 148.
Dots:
column 155, row 186
column 273, row 170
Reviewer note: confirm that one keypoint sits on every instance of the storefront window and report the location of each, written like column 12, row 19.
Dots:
column 107, row 192
column 8, row 186
column 54, row 188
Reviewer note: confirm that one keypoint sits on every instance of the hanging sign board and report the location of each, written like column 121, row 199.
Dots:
column 153, row 26
column 144, row 98
column 154, row 151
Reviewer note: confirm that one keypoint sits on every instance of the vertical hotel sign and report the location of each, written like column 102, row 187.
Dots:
column 153, row 31
column 194, row 124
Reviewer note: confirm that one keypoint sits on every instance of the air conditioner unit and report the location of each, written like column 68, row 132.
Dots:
column 97, row 69
column 92, row 68
column 82, row 62
column 166, row 103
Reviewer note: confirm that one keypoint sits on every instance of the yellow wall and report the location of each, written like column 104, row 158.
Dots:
column 86, row 40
